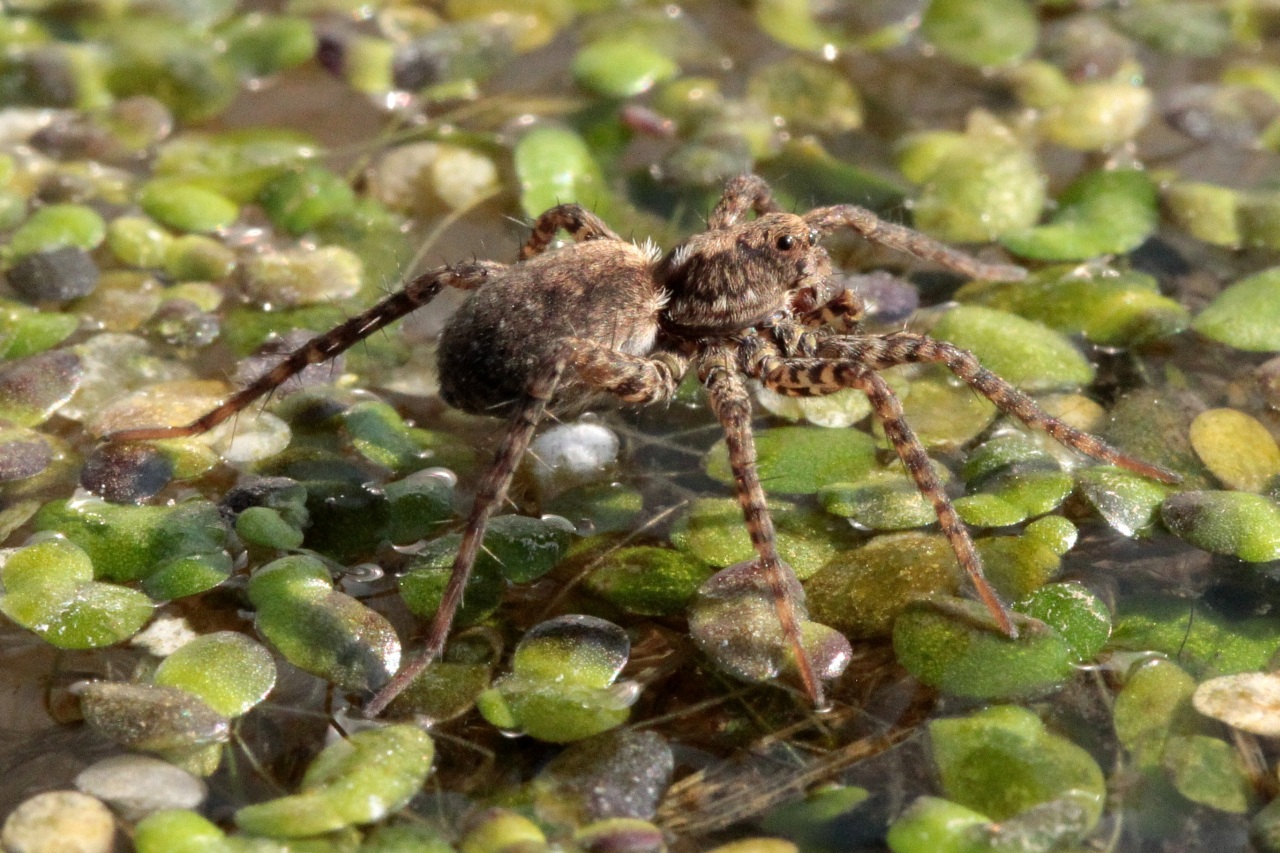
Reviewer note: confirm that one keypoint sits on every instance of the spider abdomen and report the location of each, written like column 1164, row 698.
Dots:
column 599, row 290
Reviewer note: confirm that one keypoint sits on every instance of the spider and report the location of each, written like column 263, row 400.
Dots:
column 748, row 298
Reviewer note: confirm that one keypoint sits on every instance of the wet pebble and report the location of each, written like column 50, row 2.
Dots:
column 1249, row 701
column 23, row 453
column 33, row 388
column 618, row 774
column 1236, row 448
column 569, row 455
column 149, row 717
column 126, row 473
column 54, row 275
column 293, row 277
column 59, row 822
column 138, row 785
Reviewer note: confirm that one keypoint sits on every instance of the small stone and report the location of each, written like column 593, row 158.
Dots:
column 126, row 473
column 573, row 454
column 138, row 785
column 1249, row 701
column 55, row 275
column 59, row 822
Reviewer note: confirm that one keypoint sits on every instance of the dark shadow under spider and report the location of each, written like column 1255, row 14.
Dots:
column 747, row 298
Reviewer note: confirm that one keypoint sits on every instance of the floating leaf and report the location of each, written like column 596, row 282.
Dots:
column 1236, row 448
column 1100, row 213
column 1002, row 761
column 1237, row 523
column 1021, row 351
column 801, row 460
column 356, row 780
column 319, row 630
column 229, row 671
column 981, row 32
column 1246, row 315
column 1107, row 307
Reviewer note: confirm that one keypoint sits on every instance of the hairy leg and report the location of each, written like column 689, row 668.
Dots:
column 632, row 378
column 743, row 193
column 414, row 295
column 581, row 224
column 732, row 405
column 809, row 377
column 828, row 219
column 877, row 352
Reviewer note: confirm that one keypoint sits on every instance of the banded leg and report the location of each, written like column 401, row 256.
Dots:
column 801, row 330
column 879, row 352
column 414, row 295
column 581, row 224
column 743, row 193
column 732, row 405
column 811, row 377
column 827, row 219
column 635, row 379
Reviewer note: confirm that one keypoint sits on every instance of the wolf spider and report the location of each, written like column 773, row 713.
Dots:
column 747, row 298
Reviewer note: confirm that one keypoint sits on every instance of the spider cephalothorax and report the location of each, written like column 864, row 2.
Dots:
column 745, row 299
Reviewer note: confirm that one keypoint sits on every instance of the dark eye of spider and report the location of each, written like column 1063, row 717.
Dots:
column 786, row 242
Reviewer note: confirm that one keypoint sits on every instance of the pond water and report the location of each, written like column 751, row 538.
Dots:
column 190, row 188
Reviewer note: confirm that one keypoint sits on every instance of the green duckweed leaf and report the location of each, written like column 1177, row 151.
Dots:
column 1240, row 524
column 981, row 32
column 229, row 671
column 357, row 780
column 321, row 631
column 1023, row 352
column 1002, row 762
column 1246, row 315
column 1106, row 307
column 1100, row 213
column 801, row 460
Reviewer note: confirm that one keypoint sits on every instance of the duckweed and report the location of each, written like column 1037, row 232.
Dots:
column 135, row 223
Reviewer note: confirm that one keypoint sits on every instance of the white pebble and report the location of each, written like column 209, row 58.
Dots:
column 59, row 822
column 139, row 785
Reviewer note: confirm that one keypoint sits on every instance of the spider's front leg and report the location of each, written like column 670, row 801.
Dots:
column 825, row 220
column 743, row 193
column 877, row 352
column 321, row 348
column 633, row 379
column 732, row 405
column 812, row 377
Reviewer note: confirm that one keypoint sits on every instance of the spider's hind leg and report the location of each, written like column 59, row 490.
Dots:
column 581, row 224
column 633, row 379
column 810, row 377
column 321, row 348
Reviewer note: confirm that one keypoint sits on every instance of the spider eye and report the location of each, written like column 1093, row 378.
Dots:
column 786, row 242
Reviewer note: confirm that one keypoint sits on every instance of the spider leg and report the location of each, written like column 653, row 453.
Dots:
column 873, row 228
column 743, row 193
column 634, row 379
column 809, row 377
column 879, row 352
column 412, row 296
column 581, row 224
column 732, row 405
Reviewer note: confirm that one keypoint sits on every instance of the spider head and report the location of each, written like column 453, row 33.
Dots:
column 731, row 279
